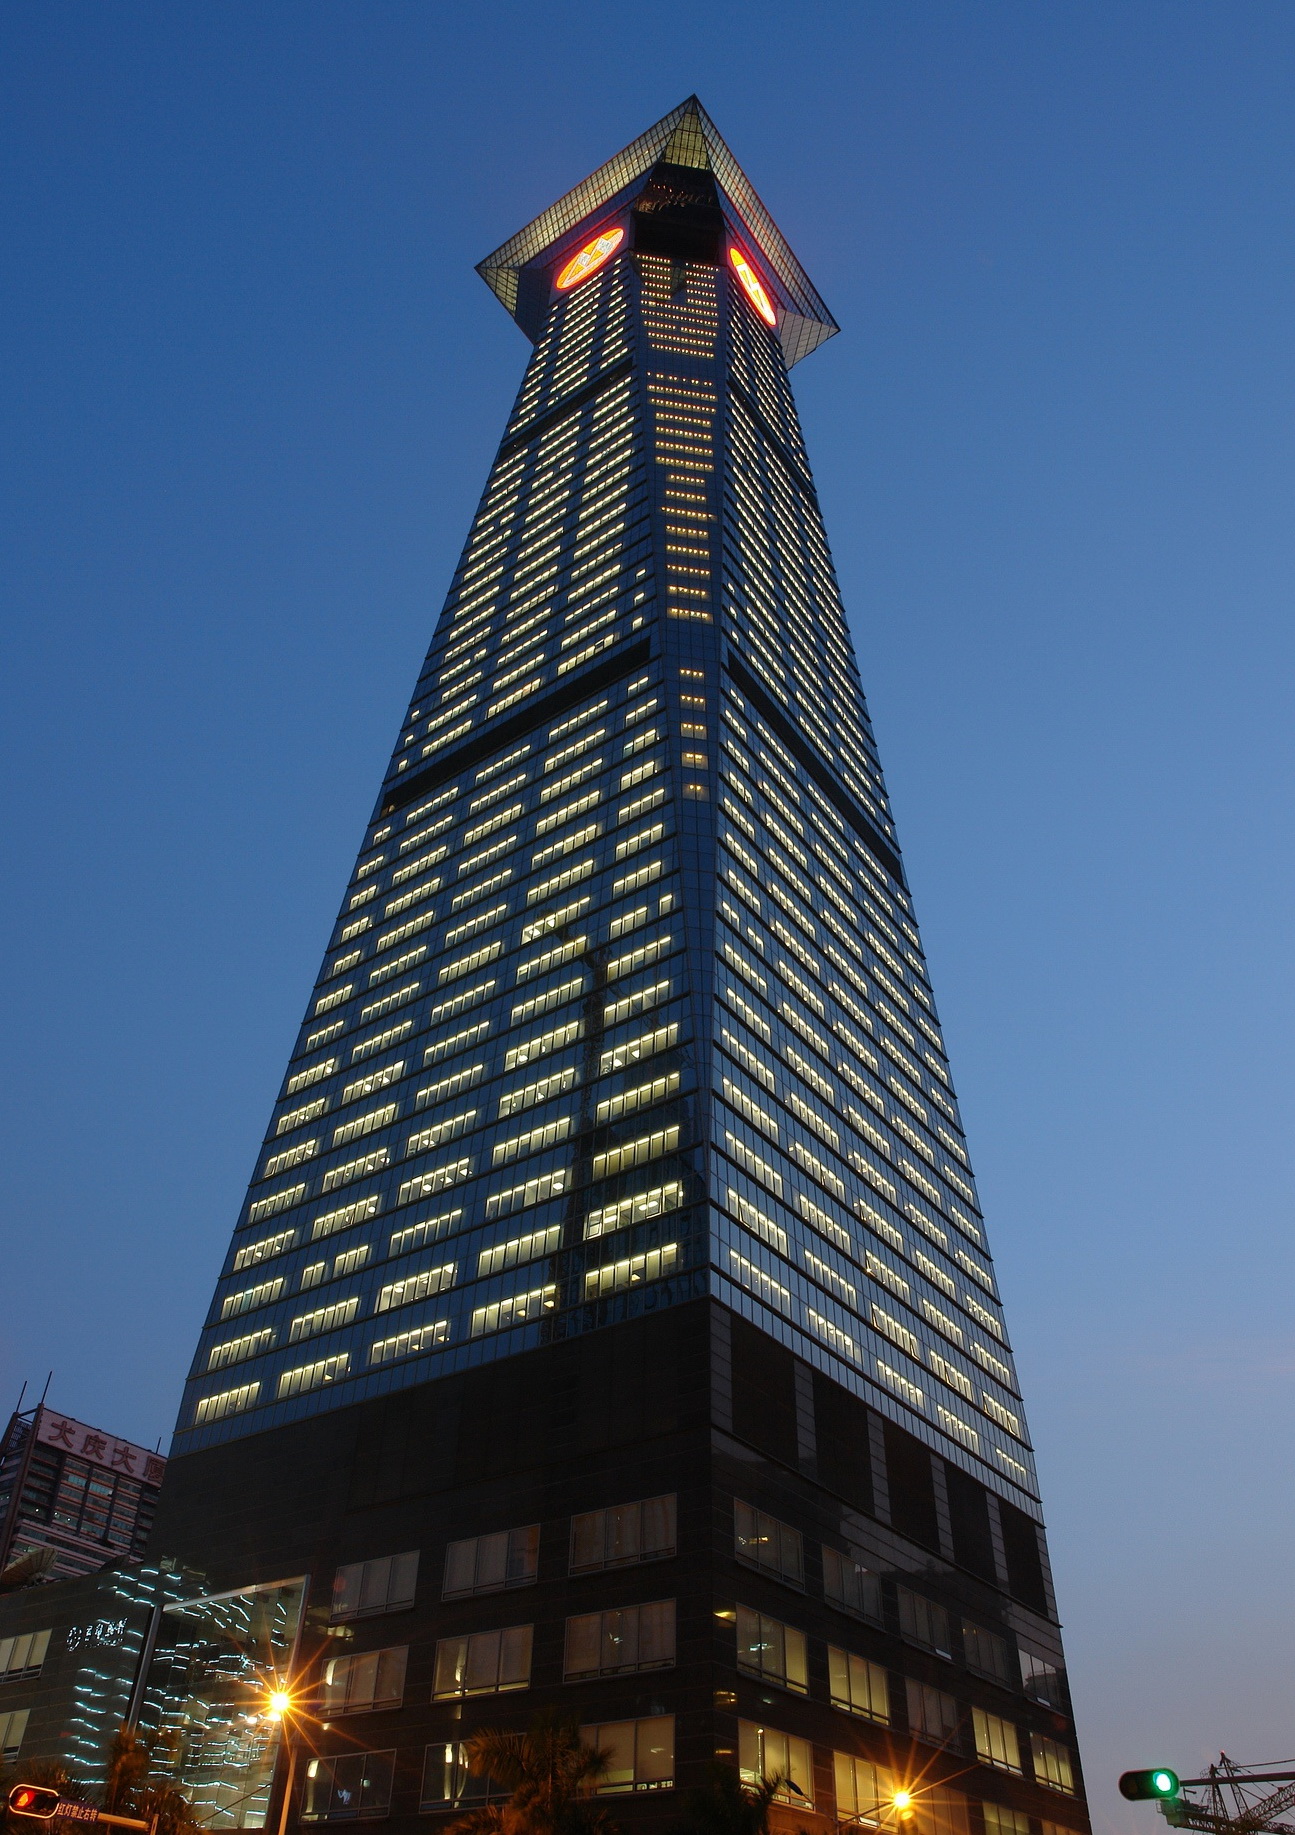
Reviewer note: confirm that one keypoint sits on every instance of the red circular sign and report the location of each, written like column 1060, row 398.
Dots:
column 752, row 286
column 589, row 259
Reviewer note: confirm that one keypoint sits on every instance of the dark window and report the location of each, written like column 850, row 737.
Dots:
column 764, row 1392
column 764, row 1542
column 985, row 1651
column 1042, row 1680
column 912, row 1488
column 924, row 1622
column 973, row 1543
column 849, row 1584
column 363, row 1588
column 622, row 1534
column 488, row 1564
column 841, row 1437
column 613, row 1643
column 1024, row 1562
column 932, row 1714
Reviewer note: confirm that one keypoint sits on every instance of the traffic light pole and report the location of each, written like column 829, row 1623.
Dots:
column 1233, row 1806
column 39, row 1803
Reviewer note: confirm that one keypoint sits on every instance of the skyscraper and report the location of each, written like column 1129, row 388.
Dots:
column 610, row 1323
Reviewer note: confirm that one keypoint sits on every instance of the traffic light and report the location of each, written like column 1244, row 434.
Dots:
column 1157, row 1785
column 33, row 1800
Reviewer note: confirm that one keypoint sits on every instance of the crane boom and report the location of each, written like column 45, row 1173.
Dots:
column 1229, row 1801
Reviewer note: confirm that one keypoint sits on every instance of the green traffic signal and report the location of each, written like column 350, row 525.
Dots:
column 1158, row 1784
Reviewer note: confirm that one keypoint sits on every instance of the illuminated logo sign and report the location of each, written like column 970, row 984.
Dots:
column 102, row 1631
column 751, row 286
column 589, row 259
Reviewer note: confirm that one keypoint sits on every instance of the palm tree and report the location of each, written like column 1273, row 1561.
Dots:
column 128, row 1762
column 128, row 1790
column 548, row 1772
column 727, row 1806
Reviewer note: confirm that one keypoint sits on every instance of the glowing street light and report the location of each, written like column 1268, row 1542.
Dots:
column 899, row 1801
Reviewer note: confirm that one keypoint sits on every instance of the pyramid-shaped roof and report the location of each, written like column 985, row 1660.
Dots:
column 685, row 137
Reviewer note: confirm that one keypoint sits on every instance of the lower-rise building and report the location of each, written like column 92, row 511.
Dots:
column 72, row 1498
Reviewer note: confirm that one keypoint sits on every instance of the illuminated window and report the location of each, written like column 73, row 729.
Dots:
column 252, row 1297
column 13, row 1725
column 520, row 1308
column 23, row 1657
column 356, row 1685
column 254, row 1253
column 863, row 1790
column 996, row 1741
column 448, row 1784
column 1051, row 1764
column 486, row 1663
column 229, row 1401
column 857, row 1686
column 631, row 1271
column 641, row 1753
column 764, row 1752
column 237, row 1350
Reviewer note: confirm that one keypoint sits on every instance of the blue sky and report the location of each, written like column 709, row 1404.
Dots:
column 252, row 389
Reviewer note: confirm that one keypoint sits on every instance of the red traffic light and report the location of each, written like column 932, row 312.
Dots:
column 33, row 1800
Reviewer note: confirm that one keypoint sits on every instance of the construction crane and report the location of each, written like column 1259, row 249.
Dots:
column 1231, row 1799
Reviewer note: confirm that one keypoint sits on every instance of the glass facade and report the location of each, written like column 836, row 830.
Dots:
column 610, row 1327
column 626, row 1000
column 216, row 1662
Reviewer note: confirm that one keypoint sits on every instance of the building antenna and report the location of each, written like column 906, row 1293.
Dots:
column 45, row 1391
column 21, row 1393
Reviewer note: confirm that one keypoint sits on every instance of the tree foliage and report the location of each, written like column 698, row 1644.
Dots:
column 130, row 1789
column 548, row 1772
column 726, row 1806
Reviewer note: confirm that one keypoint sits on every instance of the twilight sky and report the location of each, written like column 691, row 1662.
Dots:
column 252, row 389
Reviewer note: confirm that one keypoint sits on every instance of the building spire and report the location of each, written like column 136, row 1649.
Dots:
column 519, row 271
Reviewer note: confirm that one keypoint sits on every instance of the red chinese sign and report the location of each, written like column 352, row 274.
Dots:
column 100, row 1449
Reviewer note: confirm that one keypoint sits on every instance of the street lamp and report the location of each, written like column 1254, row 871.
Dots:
column 279, row 1705
column 900, row 1801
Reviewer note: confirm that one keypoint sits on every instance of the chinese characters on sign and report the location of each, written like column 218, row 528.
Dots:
column 101, row 1449
column 102, row 1631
